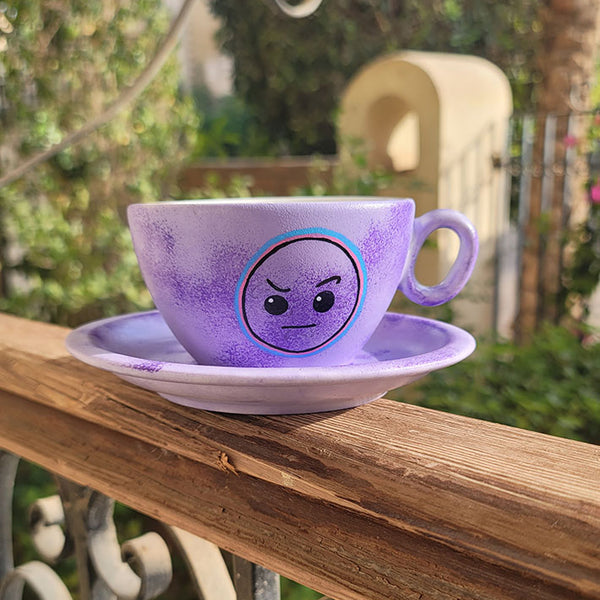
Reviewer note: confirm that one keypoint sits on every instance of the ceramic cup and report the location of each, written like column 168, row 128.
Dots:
column 273, row 282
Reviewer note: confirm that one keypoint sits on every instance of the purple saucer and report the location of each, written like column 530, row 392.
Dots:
column 141, row 349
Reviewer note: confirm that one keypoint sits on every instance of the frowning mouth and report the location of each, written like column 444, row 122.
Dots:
column 298, row 326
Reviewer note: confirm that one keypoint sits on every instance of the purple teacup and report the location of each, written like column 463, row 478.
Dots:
column 273, row 282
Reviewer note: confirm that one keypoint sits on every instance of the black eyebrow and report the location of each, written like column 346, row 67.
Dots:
column 335, row 278
column 275, row 287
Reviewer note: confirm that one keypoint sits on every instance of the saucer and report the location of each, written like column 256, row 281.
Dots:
column 141, row 349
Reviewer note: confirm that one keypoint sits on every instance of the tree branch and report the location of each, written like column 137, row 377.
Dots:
column 127, row 96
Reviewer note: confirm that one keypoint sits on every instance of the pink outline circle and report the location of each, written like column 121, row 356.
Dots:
column 242, row 285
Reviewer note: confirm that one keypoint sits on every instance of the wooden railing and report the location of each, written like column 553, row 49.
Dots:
column 386, row 501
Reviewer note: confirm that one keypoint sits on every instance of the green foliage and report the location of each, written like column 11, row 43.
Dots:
column 551, row 385
column 227, row 128
column 290, row 590
column 582, row 274
column 290, row 73
column 65, row 250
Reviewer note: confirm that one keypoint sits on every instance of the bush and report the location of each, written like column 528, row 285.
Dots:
column 227, row 128
column 65, row 253
column 551, row 385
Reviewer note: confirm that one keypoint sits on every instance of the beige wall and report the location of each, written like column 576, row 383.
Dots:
column 444, row 118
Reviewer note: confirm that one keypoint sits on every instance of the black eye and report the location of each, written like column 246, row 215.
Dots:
column 323, row 301
column 276, row 305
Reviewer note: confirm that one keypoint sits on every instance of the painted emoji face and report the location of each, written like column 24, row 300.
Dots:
column 301, row 291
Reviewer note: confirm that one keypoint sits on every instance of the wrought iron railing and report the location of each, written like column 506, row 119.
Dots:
column 384, row 501
column 78, row 522
column 550, row 161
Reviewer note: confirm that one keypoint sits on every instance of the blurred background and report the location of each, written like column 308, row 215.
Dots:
column 252, row 102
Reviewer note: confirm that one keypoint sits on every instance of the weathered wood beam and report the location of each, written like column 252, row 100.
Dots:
column 383, row 501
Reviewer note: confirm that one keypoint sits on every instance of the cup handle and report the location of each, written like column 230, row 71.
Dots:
column 461, row 269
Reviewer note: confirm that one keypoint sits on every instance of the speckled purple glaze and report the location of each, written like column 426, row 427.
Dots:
column 149, row 366
column 403, row 348
column 201, row 261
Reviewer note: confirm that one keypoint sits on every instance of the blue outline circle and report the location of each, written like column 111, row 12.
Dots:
column 273, row 242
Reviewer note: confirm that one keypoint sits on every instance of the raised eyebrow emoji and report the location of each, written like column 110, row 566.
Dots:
column 335, row 278
column 277, row 288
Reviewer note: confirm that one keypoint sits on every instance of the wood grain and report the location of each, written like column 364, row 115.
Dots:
column 383, row 501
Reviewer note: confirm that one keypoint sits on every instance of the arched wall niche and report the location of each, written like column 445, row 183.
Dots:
column 437, row 122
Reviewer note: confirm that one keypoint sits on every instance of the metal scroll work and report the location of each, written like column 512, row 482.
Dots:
column 78, row 523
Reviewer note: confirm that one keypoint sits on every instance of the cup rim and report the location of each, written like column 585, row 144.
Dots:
column 277, row 200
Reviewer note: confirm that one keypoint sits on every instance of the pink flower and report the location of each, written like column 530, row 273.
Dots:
column 570, row 141
column 597, row 119
column 595, row 193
